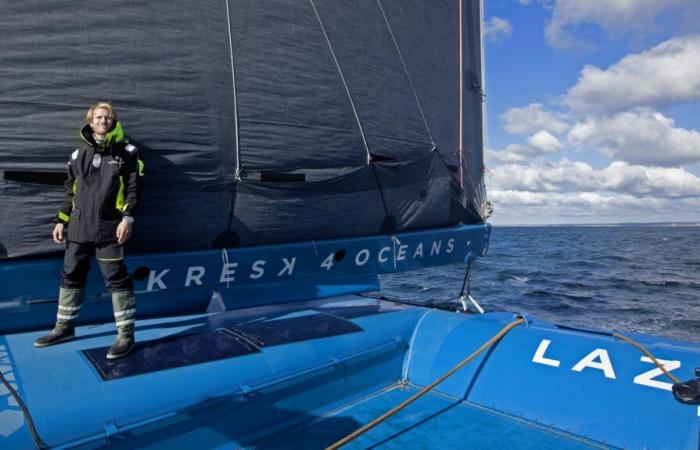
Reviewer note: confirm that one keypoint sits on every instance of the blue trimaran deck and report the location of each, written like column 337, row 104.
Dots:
column 308, row 371
column 294, row 150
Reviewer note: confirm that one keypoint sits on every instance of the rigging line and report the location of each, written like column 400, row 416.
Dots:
column 237, row 174
column 345, row 85
column 466, row 283
column 643, row 349
column 38, row 442
column 461, row 101
column 410, row 81
column 360, row 431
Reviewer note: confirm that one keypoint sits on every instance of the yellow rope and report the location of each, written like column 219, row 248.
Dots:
column 426, row 389
column 646, row 352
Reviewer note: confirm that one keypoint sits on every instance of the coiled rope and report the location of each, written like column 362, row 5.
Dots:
column 360, row 431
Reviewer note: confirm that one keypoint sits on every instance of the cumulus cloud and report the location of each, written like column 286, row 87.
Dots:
column 562, row 176
column 517, row 207
column 533, row 118
column 653, row 181
column 616, row 17
column 575, row 177
column 511, row 155
column 586, row 203
column 667, row 73
column 519, row 198
column 639, row 136
column 540, row 143
column 497, row 29
column 545, row 142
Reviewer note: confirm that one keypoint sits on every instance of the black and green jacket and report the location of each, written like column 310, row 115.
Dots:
column 103, row 186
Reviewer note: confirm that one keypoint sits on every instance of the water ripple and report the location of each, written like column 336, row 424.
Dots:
column 629, row 278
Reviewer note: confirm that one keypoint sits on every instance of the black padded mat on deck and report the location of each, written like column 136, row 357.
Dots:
column 169, row 353
column 227, row 341
column 294, row 329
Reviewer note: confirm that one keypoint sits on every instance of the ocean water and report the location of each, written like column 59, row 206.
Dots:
column 639, row 278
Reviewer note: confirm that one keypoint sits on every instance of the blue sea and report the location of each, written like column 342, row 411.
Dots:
column 640, row 278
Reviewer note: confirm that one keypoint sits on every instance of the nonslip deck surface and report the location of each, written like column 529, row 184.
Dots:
column 432, row 422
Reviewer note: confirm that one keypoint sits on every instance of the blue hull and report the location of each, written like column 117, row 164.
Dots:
column 287, row 357
column 542, row 386
column 183, row 282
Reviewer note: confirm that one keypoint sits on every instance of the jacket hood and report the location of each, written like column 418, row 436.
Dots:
column 116, row 135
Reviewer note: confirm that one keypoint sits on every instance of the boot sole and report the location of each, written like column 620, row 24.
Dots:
column 57, row 341
column 113, row 356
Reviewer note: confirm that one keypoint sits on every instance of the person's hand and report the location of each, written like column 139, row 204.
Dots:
column 123, row 232
column 58, row 233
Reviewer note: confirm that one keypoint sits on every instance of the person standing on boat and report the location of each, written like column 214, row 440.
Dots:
column 96, row 219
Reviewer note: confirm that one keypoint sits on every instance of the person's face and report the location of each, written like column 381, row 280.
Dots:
column 101, row 121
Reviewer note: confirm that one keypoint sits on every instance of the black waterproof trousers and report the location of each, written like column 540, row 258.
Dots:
column 110, row 256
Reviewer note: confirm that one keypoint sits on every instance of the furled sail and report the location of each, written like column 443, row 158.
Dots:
column 258, row 121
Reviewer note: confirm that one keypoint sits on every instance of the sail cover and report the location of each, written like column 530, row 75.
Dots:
column 259, row 121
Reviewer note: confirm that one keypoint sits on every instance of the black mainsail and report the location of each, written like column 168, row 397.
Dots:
column 259, row 121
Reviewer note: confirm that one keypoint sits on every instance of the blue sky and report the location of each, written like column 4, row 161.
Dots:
column 593, row 110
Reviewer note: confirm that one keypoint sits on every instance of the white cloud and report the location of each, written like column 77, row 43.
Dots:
column 540, row 143
column 575, row 177
column 511, row 155
column 667, row 73
column 522, row 207
column 545, row 142
column 533, row 118
column 563, row 176
column 497, row 29
column 653, row 181
column 616, row 17
column 639, row 136
column 520, row 198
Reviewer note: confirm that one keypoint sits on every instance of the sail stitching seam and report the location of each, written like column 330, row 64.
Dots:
column 342, row 78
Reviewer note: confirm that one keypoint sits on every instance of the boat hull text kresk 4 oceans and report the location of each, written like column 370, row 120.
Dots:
column 294, row 151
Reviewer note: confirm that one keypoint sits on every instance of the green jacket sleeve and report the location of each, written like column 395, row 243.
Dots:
column 70, row 186
column 132, row 181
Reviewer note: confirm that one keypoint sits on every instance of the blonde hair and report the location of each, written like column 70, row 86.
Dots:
column 96, row 106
